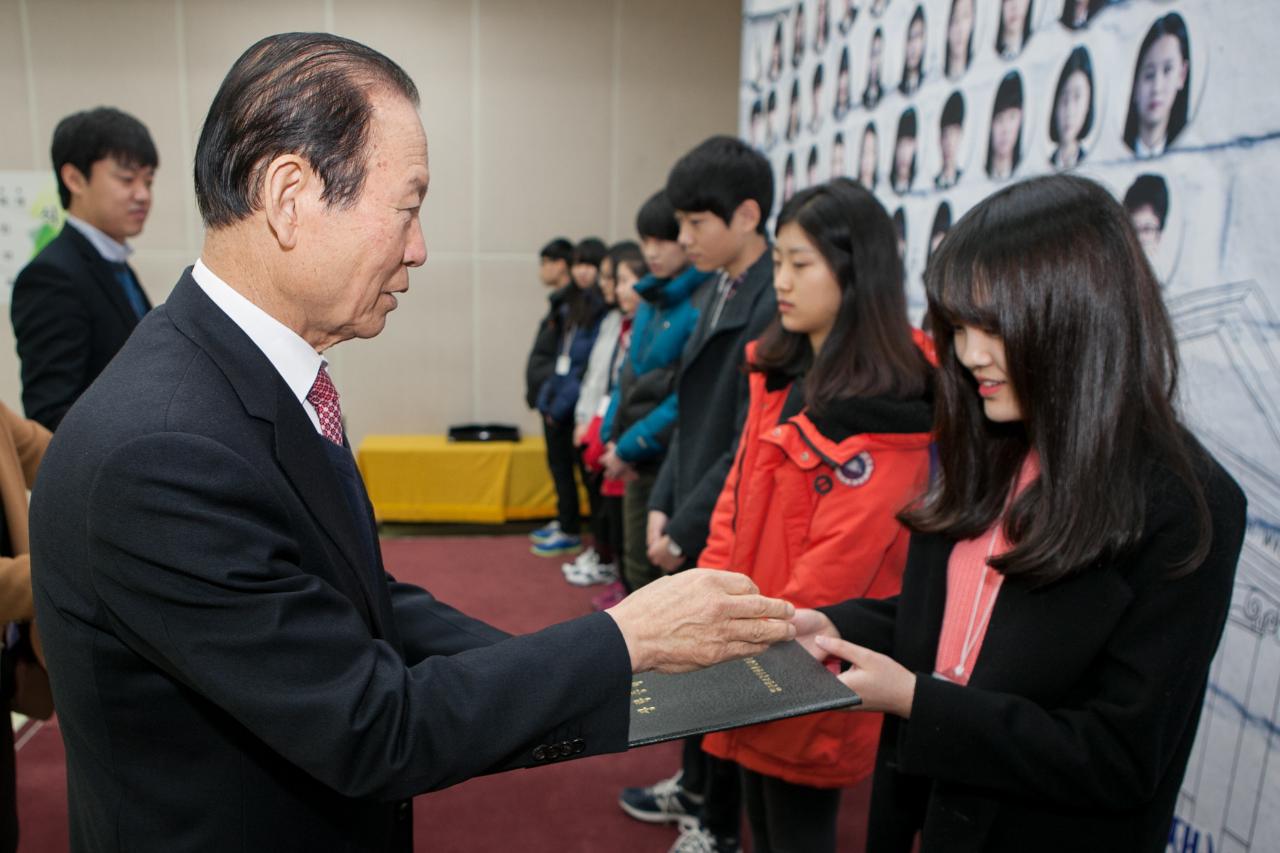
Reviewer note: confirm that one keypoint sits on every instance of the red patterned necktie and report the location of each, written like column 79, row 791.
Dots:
column 325, row 398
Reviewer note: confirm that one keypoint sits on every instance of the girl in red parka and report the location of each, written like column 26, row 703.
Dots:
column 836, row 443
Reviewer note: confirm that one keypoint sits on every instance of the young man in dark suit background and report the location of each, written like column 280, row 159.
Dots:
column 76, row 303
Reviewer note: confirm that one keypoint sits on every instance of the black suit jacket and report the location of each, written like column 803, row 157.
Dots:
column 1076, row 725
column 70, row 317
column 712, row 392
column 230, row 673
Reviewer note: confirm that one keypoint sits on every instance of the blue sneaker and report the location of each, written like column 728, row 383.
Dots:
column 545, row 532
column 662, row 802
column 557, row 544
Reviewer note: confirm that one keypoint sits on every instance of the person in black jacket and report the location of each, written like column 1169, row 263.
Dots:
column 76, row 303
column 233, row 667
column 1070, row 571
column 553, row 272
column 722, row 191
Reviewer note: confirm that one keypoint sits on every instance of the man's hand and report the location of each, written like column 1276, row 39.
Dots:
column 580, row 434
column 810, row 624
column 883, row 683
column 657, row 526
column 699, row 618
column 660, row 555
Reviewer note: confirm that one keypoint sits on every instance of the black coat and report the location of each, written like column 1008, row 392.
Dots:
column 70, row 317
column 712, row 393
column 230, row 671
column 542, row 358
column 1074, row 730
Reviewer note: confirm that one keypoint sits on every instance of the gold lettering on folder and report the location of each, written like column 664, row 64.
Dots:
column 761, row 673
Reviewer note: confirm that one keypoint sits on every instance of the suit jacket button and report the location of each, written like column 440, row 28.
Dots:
column 579, row 746
column 403, row 810
column 540, row 752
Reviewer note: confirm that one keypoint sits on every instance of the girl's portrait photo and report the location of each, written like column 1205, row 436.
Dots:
column 1014, row 29
column 1159, row 102
column 869, row 156
column 874, row 90
column 1004, row 150
column 1072, row 116
column 844, row 88
column 959, row 39
column 903, row 173
column 913, row 56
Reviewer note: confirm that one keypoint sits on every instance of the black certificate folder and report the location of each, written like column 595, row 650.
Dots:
column 783, row 681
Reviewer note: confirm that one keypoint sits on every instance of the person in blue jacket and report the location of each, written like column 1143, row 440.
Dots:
column 642, row 415
column 576, row 322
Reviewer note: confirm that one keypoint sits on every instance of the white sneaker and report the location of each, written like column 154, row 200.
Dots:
column 598, row 573
column 588, row 559
column 695, row 838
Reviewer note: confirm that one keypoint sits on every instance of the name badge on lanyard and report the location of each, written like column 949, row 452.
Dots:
column 563, row 361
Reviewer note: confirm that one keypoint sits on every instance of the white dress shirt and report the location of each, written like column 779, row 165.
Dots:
column 291, row 356
column 111, row 251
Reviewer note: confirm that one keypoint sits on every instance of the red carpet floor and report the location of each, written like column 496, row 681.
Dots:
column 567, row 807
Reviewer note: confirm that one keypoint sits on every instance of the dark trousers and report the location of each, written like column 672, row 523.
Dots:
column 606, row 529
column 718, row 782
column 789, row 818
column 562, row 458
column 636, row 568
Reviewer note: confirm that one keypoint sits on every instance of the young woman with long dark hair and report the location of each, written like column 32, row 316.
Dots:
column 835, row 444
column 1070, row 569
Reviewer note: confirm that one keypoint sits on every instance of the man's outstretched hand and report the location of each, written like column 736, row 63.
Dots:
column 698, row 618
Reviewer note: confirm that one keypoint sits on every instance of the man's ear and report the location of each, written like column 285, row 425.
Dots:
column 75, row 180
column 746, row 216
column 284, row 184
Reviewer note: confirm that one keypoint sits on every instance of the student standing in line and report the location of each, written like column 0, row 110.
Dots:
column 723, row 193
column 553, row 272
column 642, row 415
column 1070, row 569
column 619, row 272
column 835, row 445
column 597, row 563
column 576, row 323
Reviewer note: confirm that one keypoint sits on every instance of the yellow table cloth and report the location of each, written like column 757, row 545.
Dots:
column 429, row 478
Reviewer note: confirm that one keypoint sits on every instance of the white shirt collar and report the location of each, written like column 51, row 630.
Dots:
column 111, row 250
column 1140, row 148
column 291, row 356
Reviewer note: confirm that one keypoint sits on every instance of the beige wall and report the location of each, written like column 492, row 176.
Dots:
column 544, row 117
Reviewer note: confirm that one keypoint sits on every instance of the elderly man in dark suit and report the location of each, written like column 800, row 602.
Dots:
column 234, row 670
column 76, row 303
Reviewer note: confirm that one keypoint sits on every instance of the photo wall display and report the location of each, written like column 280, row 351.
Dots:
column 936, row 103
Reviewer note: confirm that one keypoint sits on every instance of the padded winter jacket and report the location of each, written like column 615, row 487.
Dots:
column 807, row 512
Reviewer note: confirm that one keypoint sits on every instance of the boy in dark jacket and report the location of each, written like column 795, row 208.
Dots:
column 575, row 321
column 722, row 191
column 553, row 272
